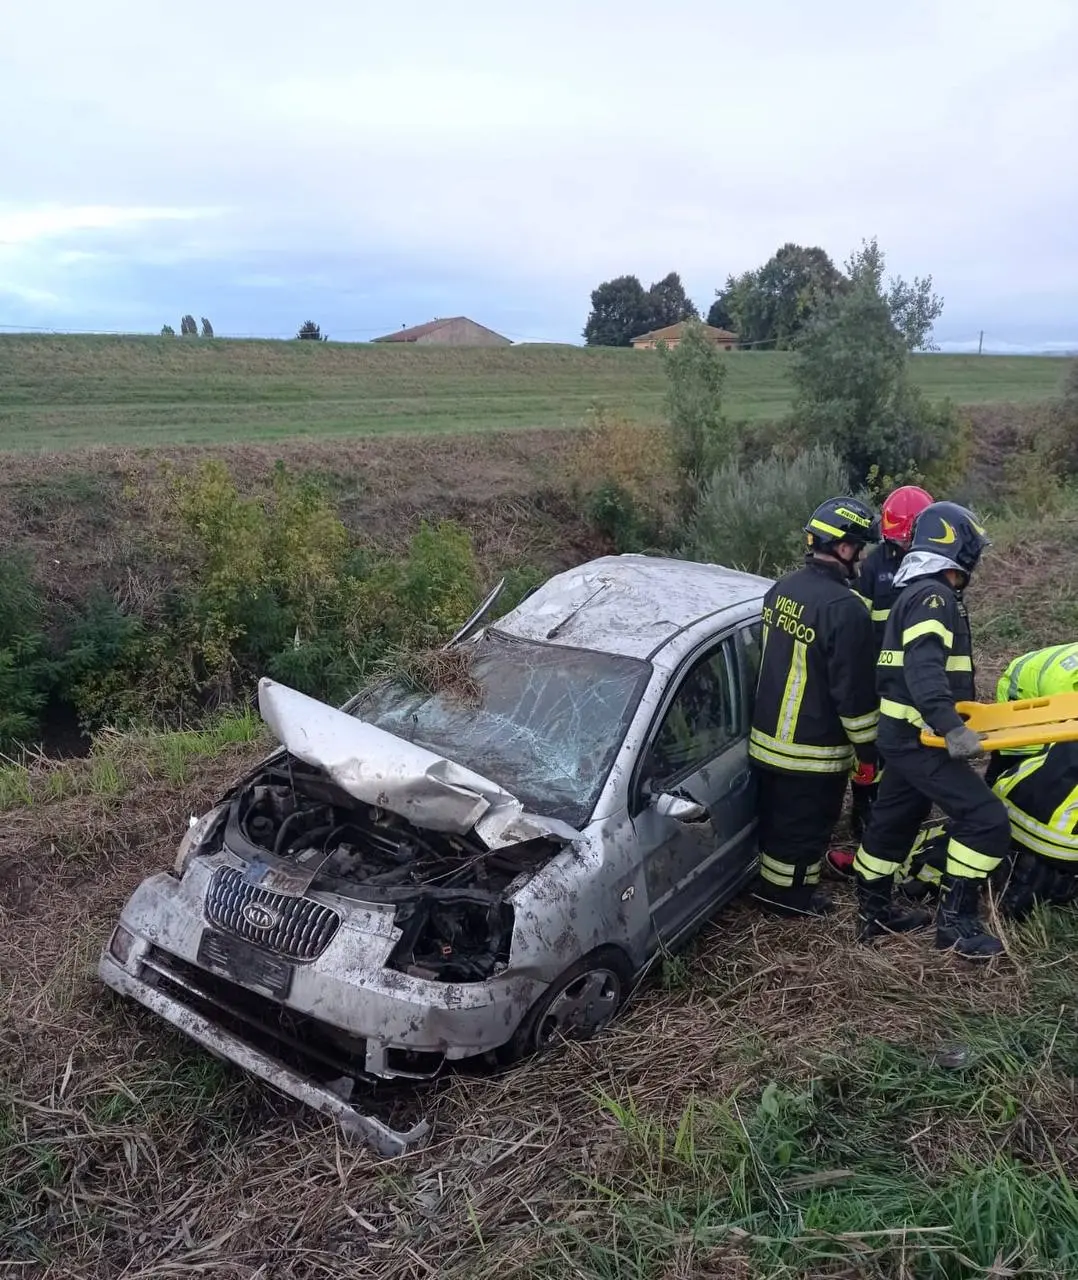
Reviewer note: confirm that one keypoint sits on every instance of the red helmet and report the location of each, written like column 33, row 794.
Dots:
column 899, row 511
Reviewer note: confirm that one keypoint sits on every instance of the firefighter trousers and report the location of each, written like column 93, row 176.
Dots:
column 914, row 779
column 797, row 813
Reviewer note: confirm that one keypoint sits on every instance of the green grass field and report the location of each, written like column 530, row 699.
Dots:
column 65, row 392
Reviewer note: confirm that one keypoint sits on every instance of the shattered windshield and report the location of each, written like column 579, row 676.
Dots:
column 543, row 721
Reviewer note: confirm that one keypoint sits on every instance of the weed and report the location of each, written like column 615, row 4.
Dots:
column 15, row 788
column 753, row 519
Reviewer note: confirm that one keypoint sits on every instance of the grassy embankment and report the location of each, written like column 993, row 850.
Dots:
column 776, row 1102
column 67, row 392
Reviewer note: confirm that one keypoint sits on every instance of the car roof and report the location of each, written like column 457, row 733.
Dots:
column 629, row 605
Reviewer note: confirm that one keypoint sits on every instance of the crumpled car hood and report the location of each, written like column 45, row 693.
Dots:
column 381, row 769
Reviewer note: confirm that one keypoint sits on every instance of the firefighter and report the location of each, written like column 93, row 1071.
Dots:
column 924, row 668
column 875, row 584
column 1033, row 675
column 1041, row 796
column 815, row 713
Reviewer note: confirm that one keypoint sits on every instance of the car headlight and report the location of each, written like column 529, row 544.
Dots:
column 195, row 837
column 120, row 944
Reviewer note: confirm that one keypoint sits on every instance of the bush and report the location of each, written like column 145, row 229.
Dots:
column 416, row 602
column 263, row 575
column 627, row 524
column 102, row 668
column 26, row 673
column 753, row 519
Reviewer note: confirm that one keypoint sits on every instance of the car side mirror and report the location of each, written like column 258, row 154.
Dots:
column 679, row 808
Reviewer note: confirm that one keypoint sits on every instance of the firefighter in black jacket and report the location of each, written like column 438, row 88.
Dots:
column 875, row 585
column 925, row 667
column 816, row 709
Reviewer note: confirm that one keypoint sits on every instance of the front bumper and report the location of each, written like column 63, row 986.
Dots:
column 225, row 1044
column 350, row 986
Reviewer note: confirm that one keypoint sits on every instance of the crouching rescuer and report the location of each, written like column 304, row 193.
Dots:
column 925, row 667
column 816, row 712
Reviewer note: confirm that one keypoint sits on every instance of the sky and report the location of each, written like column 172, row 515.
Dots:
column 368, row 165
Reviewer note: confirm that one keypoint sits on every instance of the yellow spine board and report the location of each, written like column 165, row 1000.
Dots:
column 1033, row 723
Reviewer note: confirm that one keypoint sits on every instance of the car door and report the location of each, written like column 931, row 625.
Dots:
column 697, row 750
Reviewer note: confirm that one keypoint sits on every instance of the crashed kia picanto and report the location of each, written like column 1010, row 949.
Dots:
column 480, row 869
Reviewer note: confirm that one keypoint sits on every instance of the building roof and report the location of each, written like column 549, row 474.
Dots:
column 421, row 330
column 630, row 605
column 674, row 331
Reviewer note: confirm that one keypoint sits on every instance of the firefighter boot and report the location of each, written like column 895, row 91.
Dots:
column 958, row 921
column 802, row 898
column 877, row 913
column 1027, row 882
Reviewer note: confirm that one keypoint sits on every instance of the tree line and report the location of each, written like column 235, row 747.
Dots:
column 769, row 308
column 308, row 330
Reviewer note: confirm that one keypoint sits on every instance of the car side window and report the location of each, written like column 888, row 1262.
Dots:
column 701, row 722
column 752, row 645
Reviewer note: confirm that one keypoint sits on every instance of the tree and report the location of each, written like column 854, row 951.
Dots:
column 666, row 303
column 207, row 328
column 700, row 435
column 853, row 389
column 772, row 305
column 188, row 328
column 621, row 309
column 913, row 306
column 617, row 313
column 719, row 316
column 167, row 331
column 310, row 331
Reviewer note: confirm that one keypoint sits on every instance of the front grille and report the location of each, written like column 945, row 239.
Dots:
column 297, row 928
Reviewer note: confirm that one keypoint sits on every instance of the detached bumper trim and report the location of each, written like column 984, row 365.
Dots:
column 366, row 1129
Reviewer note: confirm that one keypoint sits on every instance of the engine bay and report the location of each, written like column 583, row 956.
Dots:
column 301, row 830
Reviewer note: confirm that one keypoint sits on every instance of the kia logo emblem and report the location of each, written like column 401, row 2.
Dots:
column 259, row 917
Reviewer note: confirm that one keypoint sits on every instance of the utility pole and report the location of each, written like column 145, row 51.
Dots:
column 980, row 342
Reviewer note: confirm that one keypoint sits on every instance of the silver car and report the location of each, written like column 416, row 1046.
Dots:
column 483, row 868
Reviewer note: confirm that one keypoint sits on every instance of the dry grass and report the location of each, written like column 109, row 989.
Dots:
column 128, row 1152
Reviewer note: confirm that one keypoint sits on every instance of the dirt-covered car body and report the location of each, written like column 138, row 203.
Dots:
column 435, row 874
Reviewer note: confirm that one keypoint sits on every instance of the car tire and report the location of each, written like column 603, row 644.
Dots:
column 577, row 1005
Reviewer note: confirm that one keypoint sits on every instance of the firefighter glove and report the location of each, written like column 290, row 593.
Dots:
column 865, row 774
column 964, row 744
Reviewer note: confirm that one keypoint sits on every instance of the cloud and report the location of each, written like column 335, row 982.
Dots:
column 514, row 156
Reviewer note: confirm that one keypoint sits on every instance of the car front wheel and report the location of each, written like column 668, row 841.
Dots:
column 576, row 1006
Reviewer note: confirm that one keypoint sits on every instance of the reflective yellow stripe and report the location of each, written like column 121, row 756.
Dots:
column 928, row 874
column 896, row 658
column 871, row 867
column 1006, row 782
column 967, row 862
column 1065, row 815
column 861, row 729
column 1035, row 836
column 827, row 528
column 780, row 873
column 880, row 615
column 798, row 764
column 861, row 722
column 899, row 711
column 928, row 628
column 804, row 750
column 794, row 692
